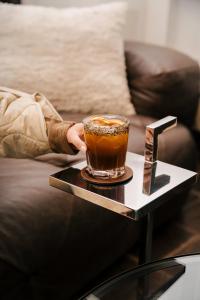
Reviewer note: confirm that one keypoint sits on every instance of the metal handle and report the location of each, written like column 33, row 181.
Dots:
column 152, row 132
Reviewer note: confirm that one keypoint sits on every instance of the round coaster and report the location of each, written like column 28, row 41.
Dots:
column 128, row 175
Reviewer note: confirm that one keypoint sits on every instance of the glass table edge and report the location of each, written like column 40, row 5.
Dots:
column 140, row 269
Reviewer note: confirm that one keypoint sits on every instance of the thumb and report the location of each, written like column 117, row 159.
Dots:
column 78, row 143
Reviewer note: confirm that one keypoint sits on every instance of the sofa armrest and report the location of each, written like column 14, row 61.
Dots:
column 162, row 81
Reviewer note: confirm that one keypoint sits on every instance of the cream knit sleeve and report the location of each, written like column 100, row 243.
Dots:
column 25, row 123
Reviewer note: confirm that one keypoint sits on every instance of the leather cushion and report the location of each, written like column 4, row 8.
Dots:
column 50, row 240
column 162, row 81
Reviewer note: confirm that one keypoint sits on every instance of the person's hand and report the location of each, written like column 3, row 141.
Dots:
column 75, row 136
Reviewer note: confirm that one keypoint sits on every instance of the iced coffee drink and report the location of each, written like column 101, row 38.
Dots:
column 106, row 137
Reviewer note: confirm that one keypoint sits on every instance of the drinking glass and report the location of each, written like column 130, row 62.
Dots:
column 106, row 137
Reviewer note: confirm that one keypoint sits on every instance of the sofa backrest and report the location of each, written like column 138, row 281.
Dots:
column 162, row 81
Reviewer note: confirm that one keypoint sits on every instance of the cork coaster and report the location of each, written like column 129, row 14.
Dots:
column 109, row 181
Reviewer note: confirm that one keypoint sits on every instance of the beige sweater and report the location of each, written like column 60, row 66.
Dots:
column 30, row 126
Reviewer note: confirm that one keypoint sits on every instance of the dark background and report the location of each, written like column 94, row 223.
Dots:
column 11, row 1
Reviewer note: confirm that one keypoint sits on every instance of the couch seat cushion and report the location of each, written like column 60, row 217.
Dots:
column 56, row 241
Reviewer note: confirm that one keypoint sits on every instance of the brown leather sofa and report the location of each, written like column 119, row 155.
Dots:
column 52, row 244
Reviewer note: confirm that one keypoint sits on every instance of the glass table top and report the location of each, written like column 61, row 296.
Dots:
column 169, row 279
column 148, row 188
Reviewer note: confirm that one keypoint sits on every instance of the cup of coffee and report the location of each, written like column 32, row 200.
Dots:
column 106, row 137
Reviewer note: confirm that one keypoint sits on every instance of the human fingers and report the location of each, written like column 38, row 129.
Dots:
column 75, row 136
